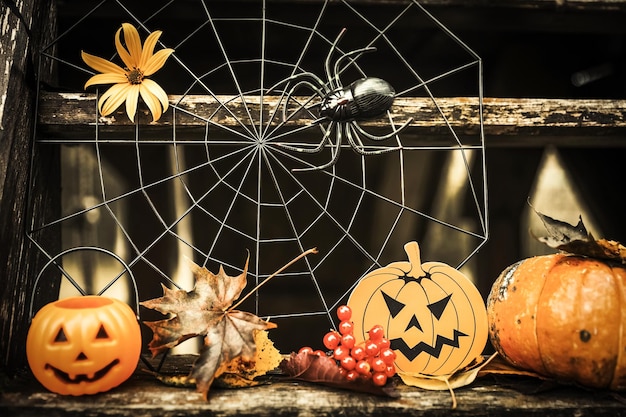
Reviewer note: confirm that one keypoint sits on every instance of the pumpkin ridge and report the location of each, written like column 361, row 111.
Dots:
column 546, row 273
column 619, row 381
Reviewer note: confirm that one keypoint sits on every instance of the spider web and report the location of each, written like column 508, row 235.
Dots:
column 239, row 190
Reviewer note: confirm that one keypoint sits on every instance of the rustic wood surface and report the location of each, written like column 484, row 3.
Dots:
column 25, row 27
column 507, row 121
column 143, row 395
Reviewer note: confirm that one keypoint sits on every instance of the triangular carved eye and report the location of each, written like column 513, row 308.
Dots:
column 102, row 333
column 437, row 308
column 394, row 306
column 60, row 337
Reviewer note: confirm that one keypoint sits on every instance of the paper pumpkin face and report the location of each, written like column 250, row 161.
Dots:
column 83, row 345
column 433, row 315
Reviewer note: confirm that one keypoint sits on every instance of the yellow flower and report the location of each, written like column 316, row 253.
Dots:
column 130, row 82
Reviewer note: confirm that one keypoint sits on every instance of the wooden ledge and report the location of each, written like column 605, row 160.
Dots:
column 143, row 395
column 507, row 121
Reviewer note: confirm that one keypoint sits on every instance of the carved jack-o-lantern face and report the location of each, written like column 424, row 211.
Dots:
column 83, row 345
column 433, row 315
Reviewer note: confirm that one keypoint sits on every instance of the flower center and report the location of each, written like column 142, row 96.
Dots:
column 135, row 76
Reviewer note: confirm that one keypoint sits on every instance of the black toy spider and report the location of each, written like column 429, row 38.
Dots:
column 366, row 98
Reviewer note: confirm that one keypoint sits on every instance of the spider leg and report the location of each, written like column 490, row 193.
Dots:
column 318, row 148
column 357, row 144
column 348, row 55
column 329, row 76
column 335, row 148
column 314, row 80
column 389, row 135
column 291, row 92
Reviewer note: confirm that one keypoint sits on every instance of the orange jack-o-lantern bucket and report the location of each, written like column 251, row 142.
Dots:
column 83, row 345
column 433, row 315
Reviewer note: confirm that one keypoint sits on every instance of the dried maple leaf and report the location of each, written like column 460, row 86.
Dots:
column 206, row 311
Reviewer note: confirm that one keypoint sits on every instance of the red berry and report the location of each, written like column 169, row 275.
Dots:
column 376, row 333
column 358, row 353
column 346, row 327
column 340, row 353
column 331, row 340
column 306, row 349
column 348, row 340
column 379, row 365
column 319, row 352
column 384, row 343
column 352, row 375
column 388, row 355
column 348, row 363
column 344, row 313
column 371, row 348
column 390, row 371
column 363, row 367
column 379, row 378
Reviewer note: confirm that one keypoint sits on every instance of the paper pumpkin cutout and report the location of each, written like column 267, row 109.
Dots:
column 433, row 315
column 83, row 345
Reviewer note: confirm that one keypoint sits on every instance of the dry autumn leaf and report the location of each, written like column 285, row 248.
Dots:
column 324, row 370
column 240, row 373
column 458, row 379
column 576, row 240
column 206, row 311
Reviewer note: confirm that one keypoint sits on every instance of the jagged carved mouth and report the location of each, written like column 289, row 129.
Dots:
column 78, row 378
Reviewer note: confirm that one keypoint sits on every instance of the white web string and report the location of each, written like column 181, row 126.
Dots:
column 249, row 147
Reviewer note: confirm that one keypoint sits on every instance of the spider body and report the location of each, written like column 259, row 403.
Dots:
column 342, row 107
column 366, row 98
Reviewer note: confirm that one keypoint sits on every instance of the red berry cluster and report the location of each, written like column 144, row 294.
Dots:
column 373, row 359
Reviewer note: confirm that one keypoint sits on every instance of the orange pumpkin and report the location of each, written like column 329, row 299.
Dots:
column 83, row 345
column 562, row 316
column 433, row 315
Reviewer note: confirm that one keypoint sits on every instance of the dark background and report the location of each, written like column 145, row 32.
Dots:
column 527, row 52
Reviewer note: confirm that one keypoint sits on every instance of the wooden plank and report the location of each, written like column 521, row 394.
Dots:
column 26, row 25
column 550, row 4
column 143, row 395
column 507, row 121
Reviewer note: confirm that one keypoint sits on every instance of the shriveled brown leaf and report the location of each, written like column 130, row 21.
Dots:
column 241, row 373
column 205, row 311
column 324, row 370
column 575, row 239
column 458, row 379
column 499, row 366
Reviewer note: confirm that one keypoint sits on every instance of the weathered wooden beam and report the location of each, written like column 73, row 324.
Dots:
column 143, row 395
column 506, row 121
column 26, row 26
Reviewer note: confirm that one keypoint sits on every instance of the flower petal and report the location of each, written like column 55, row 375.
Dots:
column 152, row 102
column 131, row 101
column 156, row 90
column 148, row 47
column 101, row 64
column 133, row 43
column 112, row 98
column 156, row 61
column 123, row 52
column 108, row 78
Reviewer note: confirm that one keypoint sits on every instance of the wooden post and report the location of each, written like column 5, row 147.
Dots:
column 26, row 27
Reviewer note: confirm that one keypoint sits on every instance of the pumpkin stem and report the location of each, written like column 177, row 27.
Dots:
column 412, row 250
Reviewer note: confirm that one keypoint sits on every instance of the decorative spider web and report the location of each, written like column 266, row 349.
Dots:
column 235, row 149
